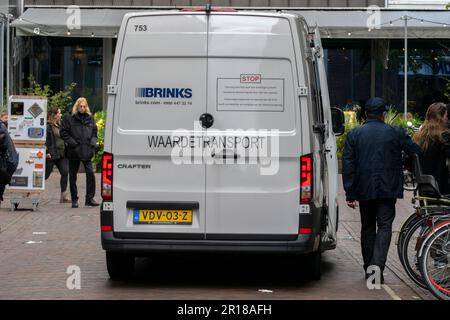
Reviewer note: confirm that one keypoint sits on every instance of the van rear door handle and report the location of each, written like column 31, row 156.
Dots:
column 206, row 120
column 225, row 154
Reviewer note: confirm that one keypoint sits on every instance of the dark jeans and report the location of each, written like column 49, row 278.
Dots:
column 74, row 165
column 63, row 167
column 375, row 243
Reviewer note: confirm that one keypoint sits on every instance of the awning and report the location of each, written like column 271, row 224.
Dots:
column 341, row 23
column 354, row 24
column 103, row 23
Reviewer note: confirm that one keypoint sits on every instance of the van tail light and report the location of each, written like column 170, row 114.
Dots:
column 107, row 176
column 305, row 231
column 306, row 178
column 106, row 228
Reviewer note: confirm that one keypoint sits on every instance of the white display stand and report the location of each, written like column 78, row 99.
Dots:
column 27, row 127
column 27, row 119
column 30, row 172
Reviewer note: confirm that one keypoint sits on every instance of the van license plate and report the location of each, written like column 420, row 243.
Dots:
column 162, row 217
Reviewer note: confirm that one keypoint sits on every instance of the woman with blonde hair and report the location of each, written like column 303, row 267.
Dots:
column 434, row 139
column 79, row 131
column 56, row 151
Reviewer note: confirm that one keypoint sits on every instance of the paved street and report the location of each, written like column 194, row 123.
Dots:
column 37, row 247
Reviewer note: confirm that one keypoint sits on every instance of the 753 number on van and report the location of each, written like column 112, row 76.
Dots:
column 140, row 28
column 162, row 217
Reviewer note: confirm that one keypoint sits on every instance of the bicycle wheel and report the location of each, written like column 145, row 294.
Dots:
column 405, row 227
column 408, row 251
column 434, row 263
column 412, row 219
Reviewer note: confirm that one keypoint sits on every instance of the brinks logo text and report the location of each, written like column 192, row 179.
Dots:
column 183, row 93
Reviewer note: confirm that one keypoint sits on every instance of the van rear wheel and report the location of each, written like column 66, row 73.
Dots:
column 120, row 266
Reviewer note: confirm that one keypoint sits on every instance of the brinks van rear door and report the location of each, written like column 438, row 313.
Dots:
column 161, row 93
column 252, row 186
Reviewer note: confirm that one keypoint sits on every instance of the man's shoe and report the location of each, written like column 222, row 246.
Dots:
column 91, row 203
column 74, row 204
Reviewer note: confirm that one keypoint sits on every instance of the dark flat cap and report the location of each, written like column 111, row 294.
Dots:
column 376, row 106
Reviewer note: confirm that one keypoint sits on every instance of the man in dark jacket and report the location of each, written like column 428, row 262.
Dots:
column 79, row 131
column 373, row 175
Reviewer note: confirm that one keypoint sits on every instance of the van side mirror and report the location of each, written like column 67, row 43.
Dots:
column 338, row 121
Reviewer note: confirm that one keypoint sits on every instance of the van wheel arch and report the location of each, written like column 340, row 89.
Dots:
column 314, row 263
column 120, row 265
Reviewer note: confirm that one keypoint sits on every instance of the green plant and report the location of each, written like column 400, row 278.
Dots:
column 340, row 141
column 100, row 118
column 61, row 99
column 392, row 116
column 395, row 118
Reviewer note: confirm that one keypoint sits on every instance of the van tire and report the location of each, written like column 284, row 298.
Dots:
column 120, row 266
column 314, row 264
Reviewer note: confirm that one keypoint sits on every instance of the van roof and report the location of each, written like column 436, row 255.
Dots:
column 271, row 14
column 274, row 14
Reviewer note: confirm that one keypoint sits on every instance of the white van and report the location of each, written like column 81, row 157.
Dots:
column 218, row 138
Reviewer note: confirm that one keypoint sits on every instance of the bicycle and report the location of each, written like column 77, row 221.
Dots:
column 413, row 231
column 434, row 256
column 429, row 204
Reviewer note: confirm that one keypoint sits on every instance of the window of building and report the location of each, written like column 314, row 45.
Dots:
column 61, row 61
column 350, row 78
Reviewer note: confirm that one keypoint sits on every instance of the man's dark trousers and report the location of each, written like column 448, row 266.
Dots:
column 375, row 243
column 74, row 165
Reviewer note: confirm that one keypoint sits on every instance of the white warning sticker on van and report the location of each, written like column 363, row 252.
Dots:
column 250, row 93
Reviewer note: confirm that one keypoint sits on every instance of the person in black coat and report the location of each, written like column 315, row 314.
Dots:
column 9, row 159
column 434, row 139
column 56, row 154
column 79, row 131
column 373, row 175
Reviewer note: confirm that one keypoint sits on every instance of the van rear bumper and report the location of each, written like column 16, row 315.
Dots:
column 141, row 243
column 302, row 245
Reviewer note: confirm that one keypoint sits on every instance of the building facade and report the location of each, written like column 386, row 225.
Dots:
column 360, row 62
column 231, row 3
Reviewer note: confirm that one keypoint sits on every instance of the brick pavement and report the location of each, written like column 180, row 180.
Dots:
column 68, row 236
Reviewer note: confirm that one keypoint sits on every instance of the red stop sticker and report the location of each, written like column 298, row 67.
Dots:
column 250, row 78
